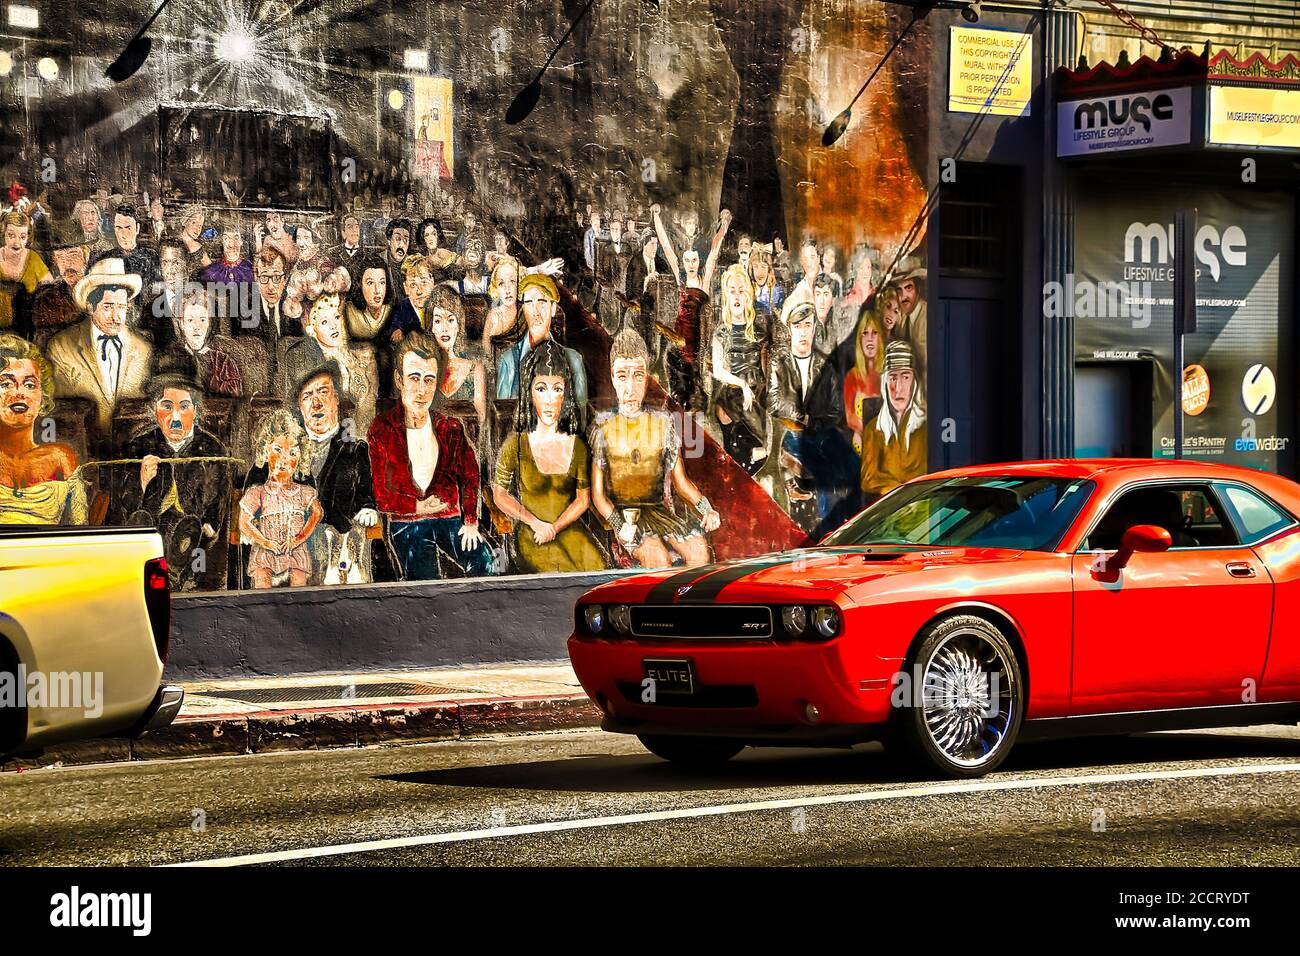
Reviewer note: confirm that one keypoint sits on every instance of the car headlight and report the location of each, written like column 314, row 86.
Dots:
column 794, row 619
column 826, row 620
column 594, row 616
column 621, row 618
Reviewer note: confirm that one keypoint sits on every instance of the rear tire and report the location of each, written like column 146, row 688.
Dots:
column 13, row 720
column 693, row 752
column 967, row 721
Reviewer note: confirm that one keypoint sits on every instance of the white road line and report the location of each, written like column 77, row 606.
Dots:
column 559, row 826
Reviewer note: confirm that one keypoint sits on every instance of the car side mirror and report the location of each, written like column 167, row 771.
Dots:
column 1140, row 537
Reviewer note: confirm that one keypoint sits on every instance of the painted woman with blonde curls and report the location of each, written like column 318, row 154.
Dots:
column 503, row 296
column 740, row 379
column 39, row 482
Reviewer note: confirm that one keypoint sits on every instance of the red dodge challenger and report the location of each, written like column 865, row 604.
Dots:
column 968, row 609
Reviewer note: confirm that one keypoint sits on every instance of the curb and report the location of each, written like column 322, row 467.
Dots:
column 328, row 728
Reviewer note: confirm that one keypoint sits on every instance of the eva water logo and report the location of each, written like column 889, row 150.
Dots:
column 75, row 909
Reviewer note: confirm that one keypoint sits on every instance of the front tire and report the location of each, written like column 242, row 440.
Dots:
column 964, row 718
column 694, row 752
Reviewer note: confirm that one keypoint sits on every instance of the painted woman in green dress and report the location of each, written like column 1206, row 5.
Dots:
column 543, row 471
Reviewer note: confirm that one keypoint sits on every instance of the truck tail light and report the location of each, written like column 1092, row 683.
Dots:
column 158, row 602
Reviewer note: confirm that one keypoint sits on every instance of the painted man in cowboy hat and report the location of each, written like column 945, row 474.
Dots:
column 911, row 302
column 100, row 358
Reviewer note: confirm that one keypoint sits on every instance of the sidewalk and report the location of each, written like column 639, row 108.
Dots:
column 263, row 714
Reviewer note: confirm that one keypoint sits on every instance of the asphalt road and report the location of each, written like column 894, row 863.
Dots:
column 1222, row 798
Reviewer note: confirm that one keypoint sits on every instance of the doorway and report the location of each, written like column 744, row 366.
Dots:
column 1112, row 410
column 975, row 384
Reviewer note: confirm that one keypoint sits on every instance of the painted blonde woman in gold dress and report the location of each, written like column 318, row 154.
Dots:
column 39, row 484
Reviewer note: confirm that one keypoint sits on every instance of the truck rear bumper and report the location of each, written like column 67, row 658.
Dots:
column 166, row 705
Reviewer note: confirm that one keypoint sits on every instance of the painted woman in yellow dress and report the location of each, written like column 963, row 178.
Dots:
column 21, row 271
column 39, row 484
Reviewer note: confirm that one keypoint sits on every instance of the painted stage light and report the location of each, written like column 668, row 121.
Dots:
column 236, row 46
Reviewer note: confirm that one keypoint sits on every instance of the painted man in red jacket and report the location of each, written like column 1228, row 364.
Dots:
column 425, row 473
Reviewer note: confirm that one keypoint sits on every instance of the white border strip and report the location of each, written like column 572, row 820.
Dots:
column 559, row 826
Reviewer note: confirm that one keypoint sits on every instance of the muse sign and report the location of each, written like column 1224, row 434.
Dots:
column 1124, row 121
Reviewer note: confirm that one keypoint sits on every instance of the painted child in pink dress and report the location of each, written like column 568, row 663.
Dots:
column 279, row 515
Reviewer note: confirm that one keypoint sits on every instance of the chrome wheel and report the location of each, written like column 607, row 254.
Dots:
column 968, row 697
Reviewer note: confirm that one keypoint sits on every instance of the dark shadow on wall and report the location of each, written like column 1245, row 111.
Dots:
column 756, row 46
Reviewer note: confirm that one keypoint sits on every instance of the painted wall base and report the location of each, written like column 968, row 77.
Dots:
column 374, row 627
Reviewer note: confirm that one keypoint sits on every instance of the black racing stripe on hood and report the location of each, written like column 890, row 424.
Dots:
column 706, row 582
column 712, row 586
column 665, row 592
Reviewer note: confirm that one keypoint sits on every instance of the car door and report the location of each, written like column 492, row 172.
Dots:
column 1187, row 627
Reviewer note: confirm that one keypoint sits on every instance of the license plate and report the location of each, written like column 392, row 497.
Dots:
column 670, row 676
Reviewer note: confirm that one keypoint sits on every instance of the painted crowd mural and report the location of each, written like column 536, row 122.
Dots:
column 361, row 330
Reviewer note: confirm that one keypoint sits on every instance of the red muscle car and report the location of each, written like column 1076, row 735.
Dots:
column 968, row 609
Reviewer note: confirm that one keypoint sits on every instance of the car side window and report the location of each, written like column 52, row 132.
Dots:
column 1190, row 513
column 1255, row 515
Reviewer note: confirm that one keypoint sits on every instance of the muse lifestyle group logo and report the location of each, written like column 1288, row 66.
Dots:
column 1148, row 258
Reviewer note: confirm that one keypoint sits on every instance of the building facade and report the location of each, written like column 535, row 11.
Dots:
column 395, row 314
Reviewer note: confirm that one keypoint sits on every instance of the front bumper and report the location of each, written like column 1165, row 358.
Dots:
column 752, row 689
column 166, row 705
column 755, row 735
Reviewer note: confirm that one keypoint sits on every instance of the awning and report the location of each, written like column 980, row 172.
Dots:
column 1183, row 102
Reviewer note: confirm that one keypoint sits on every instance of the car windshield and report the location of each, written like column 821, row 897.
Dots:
column 1029, row 513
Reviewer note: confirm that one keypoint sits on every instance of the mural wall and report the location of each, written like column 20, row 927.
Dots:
column 296, row 293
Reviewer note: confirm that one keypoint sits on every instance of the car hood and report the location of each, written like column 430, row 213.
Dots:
column 826, row 571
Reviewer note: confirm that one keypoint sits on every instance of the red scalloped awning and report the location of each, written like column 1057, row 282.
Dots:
column 1225, row 66
column 1185, row 67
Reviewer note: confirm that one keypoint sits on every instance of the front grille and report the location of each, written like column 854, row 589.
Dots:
column 706, row 695
column 701, row 620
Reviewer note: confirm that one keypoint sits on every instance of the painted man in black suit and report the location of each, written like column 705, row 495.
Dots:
column 187, row 500
column 340, row 466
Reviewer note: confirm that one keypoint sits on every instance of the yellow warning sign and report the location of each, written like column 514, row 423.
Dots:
column 990, row 71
